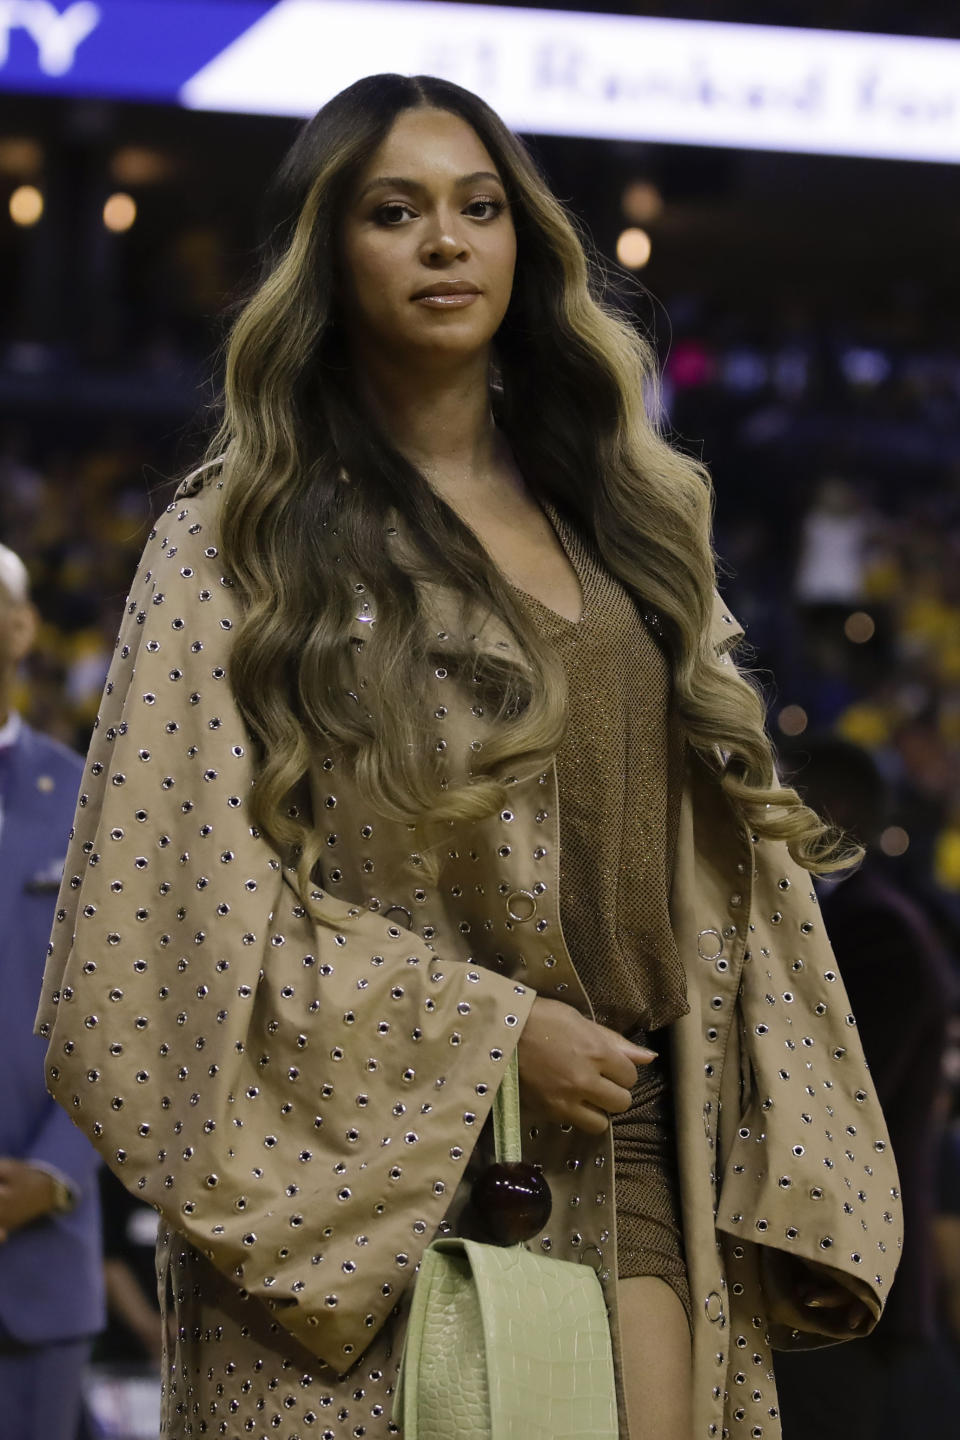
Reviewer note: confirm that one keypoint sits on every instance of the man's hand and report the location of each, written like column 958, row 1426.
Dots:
column 26, row 1194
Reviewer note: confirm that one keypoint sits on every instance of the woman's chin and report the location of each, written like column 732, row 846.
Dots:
column 449, row 344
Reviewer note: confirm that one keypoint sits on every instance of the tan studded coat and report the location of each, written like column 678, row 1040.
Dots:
column 300, row 1101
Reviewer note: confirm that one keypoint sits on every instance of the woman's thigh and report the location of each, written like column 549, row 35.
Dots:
column 657, row 1376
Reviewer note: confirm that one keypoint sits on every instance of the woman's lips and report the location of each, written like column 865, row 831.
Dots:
column 448, row 302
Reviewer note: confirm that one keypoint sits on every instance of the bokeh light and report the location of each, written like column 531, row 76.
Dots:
column 634, row 248
column 641, row 202
column 894, row 840
column 859, row 627
column 26, row 205
column 792, row 720
column 119, row 212
column 140, row 165
column 20, row 155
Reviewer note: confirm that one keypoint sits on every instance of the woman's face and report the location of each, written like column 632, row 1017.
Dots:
column 427, row 246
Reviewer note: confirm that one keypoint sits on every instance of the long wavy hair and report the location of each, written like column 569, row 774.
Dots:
column 301, row 462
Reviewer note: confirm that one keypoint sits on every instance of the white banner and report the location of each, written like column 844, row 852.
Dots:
column 610, row 76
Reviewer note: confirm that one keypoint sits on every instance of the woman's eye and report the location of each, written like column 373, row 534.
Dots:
column 395, row 212
column 392, row 213
column 488, row 204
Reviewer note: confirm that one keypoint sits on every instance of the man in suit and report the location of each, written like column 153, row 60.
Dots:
column 51, row 1274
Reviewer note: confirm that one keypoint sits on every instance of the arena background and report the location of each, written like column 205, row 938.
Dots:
column 804, row 307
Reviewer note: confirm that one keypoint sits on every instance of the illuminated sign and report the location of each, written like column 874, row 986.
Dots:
column 123, row 49
column 56, row 34
column 545, row 71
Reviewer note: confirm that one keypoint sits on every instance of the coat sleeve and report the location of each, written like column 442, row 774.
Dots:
column 808, row 1175
column 298, row 1099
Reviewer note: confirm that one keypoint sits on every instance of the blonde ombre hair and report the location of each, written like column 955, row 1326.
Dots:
column 569, row 395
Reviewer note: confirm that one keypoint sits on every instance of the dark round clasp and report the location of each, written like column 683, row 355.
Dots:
column 512, row 1202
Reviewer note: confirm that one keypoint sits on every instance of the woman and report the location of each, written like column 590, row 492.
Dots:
column 440, row 569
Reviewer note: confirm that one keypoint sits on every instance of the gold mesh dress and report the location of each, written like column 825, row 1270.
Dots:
column 619, row 781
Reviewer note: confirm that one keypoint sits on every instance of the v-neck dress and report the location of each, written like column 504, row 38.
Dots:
column 619, row 783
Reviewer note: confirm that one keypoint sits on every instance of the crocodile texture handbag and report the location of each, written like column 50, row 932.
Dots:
column 502, row 1344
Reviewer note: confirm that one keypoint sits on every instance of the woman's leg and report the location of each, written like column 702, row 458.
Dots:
column 657, row 1377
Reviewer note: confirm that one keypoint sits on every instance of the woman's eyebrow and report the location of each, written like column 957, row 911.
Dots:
column 399, row 182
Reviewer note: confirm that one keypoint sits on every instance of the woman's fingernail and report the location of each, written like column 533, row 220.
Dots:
column 645, row 1050
column 814, row 1303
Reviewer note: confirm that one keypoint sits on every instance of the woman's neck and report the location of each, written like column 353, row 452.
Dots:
column 442, row 423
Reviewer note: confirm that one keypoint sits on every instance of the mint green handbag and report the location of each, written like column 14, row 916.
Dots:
column 502, row 1344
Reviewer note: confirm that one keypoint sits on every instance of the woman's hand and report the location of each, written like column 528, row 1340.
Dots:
column 815, row 1287
column 817, row 1294
column 579, row 1073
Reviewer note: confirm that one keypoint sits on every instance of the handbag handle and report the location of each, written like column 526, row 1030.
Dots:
column 512, row 1199
column 506, row 1115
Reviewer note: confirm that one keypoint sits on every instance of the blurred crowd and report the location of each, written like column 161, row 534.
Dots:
column 836, row 457
column 79, row 517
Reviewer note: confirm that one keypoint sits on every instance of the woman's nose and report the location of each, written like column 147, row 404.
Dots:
column 443, row 243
